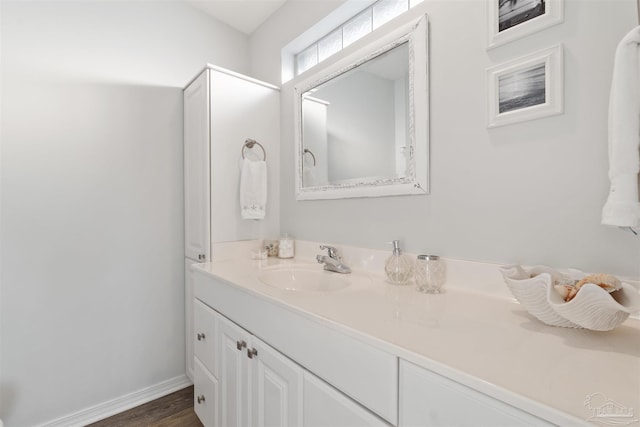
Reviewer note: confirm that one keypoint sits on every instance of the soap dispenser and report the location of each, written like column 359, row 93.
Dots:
column 398, row 267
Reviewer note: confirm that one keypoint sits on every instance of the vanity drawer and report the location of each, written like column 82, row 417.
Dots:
column 324, row 406
column 205, row 333
column 205, row 394
column 364, row 373
column 429, row 399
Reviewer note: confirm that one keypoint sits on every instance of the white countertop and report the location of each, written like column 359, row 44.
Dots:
column 474, row 333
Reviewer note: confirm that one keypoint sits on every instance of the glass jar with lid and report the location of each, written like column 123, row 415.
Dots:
column 430, row 274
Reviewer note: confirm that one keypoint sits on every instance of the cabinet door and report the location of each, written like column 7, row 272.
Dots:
column 197, row 232
column 234, row 374
column 427, row 398
column 205, row 333
column 205, row 395
column 325, row 406
column 276, row 388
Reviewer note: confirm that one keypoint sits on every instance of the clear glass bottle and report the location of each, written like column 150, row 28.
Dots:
column 431, row 273
column 398, row 267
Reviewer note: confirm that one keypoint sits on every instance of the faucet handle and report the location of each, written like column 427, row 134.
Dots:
column 333, row 252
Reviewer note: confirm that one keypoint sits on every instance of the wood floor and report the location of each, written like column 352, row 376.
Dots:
column 173, row 410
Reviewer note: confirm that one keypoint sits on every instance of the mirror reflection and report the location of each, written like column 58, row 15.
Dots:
column 362, row 122
column 355, row 126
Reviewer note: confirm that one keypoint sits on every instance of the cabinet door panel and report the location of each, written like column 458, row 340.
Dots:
column 427, row 398
column 325, row 406
column 205, row 395
column 205, row 334
column 234, row 375
column 197, row 215
column 276, row 388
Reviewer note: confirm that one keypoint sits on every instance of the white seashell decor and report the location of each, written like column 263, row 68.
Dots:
column 592, row 308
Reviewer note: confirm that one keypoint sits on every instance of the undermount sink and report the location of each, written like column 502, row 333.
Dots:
column 307, row 278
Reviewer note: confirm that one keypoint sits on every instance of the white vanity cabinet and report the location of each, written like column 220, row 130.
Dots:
column 364, row 373
column 240, row 380
column 223, row 109
column 259, row 386
column 429, row 399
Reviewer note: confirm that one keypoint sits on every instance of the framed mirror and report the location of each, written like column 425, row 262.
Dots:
column 362, row 122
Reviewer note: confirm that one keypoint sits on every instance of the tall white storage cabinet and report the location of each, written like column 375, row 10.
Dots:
column 223, row 109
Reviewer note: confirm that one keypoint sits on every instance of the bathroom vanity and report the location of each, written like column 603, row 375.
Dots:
column 222, row 110
column 308, row 353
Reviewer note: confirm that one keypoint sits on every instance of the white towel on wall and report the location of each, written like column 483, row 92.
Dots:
column 253, row 189
column 623, row 204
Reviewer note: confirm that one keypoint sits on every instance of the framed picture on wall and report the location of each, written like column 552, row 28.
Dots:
column 508, row 20
column 526, row 88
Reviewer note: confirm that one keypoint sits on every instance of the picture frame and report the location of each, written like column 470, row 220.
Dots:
column 526, row 88
column 508, row 20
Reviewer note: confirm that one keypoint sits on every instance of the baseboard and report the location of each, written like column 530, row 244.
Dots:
column 120, row 404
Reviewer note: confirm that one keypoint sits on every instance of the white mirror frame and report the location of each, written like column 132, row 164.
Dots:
column 416, row 181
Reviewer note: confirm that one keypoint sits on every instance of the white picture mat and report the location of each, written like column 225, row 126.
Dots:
column 552, row 60
column 554, row 14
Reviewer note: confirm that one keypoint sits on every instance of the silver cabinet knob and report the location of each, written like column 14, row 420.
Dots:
column 251, row 353
column 200, row 337
column 241, row 344
column 200, row 399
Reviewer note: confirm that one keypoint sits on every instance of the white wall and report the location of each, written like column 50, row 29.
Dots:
column 241, row 110
column 92, row 203
column 526, row 193
column 357, row 147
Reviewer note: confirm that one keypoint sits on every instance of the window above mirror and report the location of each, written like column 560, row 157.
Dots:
column 347, row 32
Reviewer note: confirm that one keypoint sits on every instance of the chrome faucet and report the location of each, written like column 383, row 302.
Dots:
column 333, row 262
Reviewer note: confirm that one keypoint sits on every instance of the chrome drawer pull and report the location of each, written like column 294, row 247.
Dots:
column 241, row 344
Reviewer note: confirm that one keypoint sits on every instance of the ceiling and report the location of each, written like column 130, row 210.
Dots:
column 243, row 15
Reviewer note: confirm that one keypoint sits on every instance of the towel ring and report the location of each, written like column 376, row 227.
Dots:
column 306, row 150
column 249, row 143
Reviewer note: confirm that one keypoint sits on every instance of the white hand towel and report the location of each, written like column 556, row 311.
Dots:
column 253, row 189
column 623, row 205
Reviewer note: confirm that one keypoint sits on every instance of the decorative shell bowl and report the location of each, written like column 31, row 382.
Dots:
column 592, row 308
